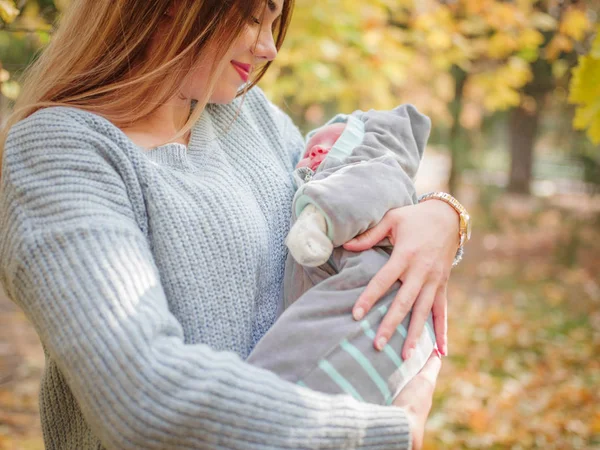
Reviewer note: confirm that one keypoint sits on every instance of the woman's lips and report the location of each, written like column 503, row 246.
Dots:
column 242, row 69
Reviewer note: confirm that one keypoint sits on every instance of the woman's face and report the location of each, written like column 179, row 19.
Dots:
column 253, row 48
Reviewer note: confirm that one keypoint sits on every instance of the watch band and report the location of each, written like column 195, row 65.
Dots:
column 464, row 231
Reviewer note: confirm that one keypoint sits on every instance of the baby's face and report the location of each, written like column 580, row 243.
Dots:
column 319, row 145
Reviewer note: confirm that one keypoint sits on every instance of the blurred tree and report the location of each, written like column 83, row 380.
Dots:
column 585, row 91
column 25, row 27
column 457, row 60
column 339, row 55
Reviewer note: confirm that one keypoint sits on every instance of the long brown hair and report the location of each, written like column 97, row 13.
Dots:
column 98, row 59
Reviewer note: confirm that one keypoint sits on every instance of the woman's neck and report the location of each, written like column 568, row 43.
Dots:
column 162, row 125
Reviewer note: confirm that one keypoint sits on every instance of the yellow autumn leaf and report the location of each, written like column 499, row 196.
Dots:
column 595, row 424
column 575, row 24
column 559, row 68
column 423, row 22
column 61, row 5
column 530, row 38
column 439, row 40
column 479, row 420
column 11, row 89
column 543, row 21
column 503, row 16
column 585, row 92
column 501, row 45
column 473, row 25
column 559, row 43
column 474, row 7
column 516, row 73
column 8, row 11
column 4, row 75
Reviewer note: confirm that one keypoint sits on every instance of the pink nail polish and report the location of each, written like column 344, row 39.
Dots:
column 380, row 343
column 409, row 354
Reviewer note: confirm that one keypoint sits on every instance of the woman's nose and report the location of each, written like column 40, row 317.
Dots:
column 265, row 47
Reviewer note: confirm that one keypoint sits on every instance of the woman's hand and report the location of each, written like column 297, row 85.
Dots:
column 416, row 398
column 425, row 240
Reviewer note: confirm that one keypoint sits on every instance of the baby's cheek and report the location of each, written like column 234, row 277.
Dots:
column 305, row 162
column 317, row 160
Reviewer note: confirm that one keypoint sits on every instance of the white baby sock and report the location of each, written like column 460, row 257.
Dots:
column 307, row 240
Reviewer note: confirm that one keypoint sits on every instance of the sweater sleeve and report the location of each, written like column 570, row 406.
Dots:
column 75, row 258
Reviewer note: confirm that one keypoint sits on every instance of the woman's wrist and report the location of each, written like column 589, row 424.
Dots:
column 460, row 220
column 446, row 216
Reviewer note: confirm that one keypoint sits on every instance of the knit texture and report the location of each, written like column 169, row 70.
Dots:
column 149, row 277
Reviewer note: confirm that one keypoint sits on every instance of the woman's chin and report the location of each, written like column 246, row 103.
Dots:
column 223, row 96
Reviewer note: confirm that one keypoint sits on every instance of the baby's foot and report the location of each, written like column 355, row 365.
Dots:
column 307, row 240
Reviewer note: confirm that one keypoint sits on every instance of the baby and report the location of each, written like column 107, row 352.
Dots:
column 354, row 170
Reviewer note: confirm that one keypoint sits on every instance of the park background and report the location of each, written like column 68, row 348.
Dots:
column 513, row 90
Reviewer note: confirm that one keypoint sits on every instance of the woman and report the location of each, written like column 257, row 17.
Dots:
column 143, row 213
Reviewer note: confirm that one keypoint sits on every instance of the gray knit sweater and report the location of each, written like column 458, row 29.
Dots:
column 149, row 277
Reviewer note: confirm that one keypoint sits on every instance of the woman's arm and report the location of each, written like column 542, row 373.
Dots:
column 73, row 256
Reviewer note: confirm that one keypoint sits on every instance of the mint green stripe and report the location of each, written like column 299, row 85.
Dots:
column 351, row 137
column 368, row 367
column 366, row 326
column 431, row 332
column 402, row 330
column 382, row 309
column 326, row 367
column 388, row 350
column 301, row 383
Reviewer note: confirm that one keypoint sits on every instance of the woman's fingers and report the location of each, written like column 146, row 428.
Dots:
column 430, row 371
column 417, row 396
column 419, row 316
column 398, row 310
column 440, row 319
column 419, row 391
column 379, row 285
column 371, row 237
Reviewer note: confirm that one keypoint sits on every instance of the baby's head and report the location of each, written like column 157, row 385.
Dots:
column 319, row 145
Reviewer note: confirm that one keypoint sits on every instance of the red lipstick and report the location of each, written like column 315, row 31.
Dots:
column 242, row 69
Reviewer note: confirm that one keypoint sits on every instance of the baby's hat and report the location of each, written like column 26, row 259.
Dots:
column 352, row 135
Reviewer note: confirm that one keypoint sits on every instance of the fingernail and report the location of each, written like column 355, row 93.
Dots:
column 438, row 353
column 380, row 343
column 409, row 354
column 358, row 313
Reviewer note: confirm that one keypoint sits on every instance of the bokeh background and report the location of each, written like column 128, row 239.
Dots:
column 513, row 90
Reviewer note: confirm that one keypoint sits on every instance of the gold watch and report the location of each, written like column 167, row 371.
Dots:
column 464, row 230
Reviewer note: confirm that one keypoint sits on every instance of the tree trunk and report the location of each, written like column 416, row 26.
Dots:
column 456, row 143
column 523, row 130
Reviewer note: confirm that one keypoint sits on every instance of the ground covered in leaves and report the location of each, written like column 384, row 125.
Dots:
column 524, row 366
column 523, row 370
